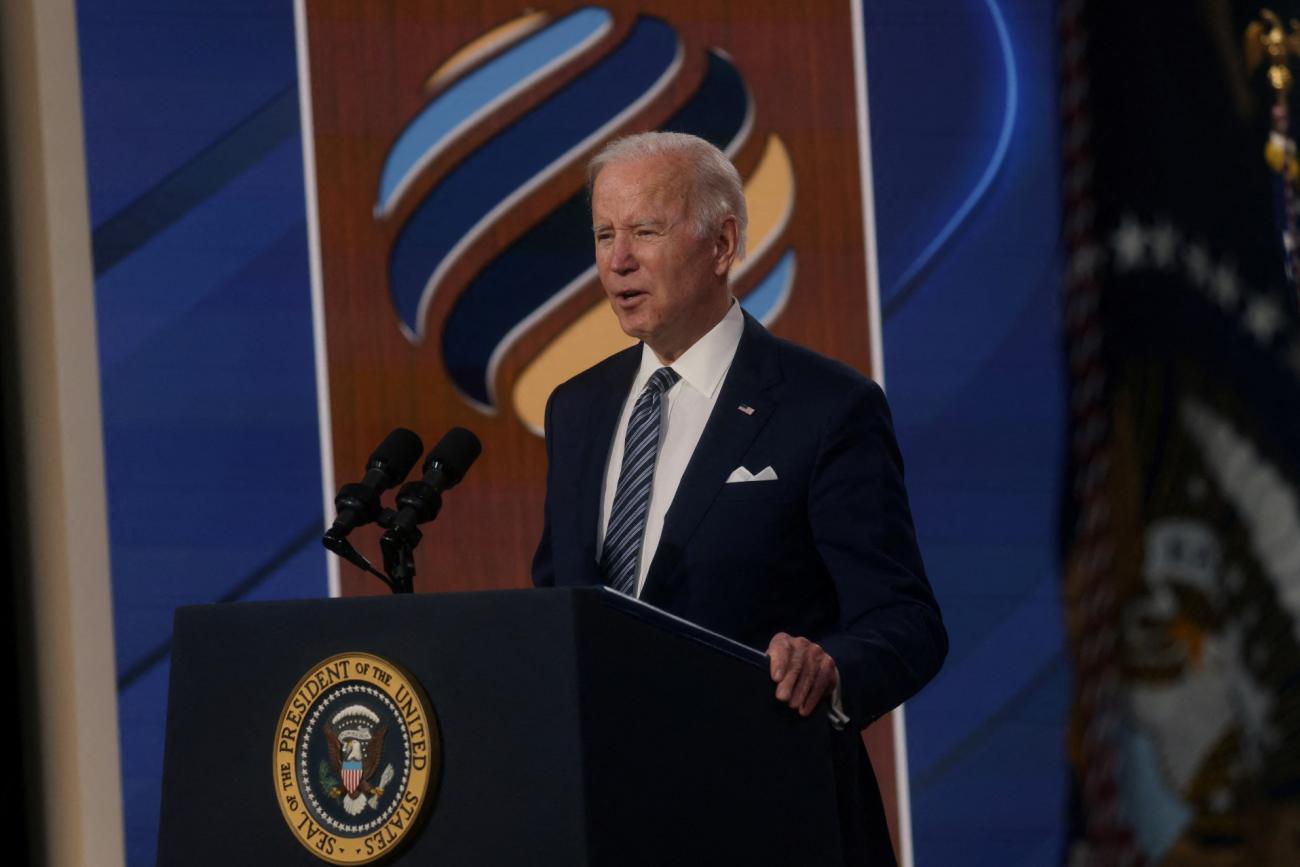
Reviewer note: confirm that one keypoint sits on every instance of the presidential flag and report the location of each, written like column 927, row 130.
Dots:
column 1181, row 520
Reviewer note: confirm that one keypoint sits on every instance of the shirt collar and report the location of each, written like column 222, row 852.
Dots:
column 703, row 366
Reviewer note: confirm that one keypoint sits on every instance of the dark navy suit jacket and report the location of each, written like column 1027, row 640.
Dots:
column 827, row 551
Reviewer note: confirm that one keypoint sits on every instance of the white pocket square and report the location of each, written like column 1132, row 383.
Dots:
column 740, row 474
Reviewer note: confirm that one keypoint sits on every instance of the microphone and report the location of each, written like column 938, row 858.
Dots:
column 419, row 502
column 357, row 504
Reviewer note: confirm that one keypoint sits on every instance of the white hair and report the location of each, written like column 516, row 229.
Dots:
column 715, row 189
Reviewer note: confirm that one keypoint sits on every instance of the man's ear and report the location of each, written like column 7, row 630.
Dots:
column 724, row 246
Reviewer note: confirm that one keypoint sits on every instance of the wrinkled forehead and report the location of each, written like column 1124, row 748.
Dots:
column 634, row 191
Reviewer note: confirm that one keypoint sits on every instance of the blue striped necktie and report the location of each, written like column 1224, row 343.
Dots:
column 621, row 554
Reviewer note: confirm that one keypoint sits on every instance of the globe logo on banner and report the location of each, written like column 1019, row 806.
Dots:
column 583, row 78
column 448, row 145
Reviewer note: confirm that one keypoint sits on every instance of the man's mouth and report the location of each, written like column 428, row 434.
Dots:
column 628, row 297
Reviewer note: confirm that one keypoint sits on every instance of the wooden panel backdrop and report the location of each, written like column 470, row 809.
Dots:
column 370, row 66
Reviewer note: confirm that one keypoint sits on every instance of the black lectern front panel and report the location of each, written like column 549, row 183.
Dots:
column 563, row 730
column 501, row 684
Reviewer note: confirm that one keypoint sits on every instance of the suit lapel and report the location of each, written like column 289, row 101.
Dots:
column 605, row 406
column 722, row 446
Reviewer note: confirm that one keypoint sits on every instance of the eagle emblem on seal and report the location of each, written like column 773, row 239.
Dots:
column 355, row 740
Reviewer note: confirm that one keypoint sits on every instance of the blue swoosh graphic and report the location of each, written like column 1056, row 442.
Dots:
column 557, row 250
column 767, row 299
column 903, row 287
column 719, row 110
column 506, row 163
column 456, row 107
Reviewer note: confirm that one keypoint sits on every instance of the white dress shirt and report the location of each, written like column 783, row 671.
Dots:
column 688, row 404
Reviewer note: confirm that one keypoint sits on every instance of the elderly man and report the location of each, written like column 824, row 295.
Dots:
column 732, row 478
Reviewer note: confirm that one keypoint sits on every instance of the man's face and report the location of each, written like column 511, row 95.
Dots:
column 667, row 286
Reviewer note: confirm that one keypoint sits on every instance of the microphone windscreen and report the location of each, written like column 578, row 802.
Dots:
column 397, row 454
column 456, row 452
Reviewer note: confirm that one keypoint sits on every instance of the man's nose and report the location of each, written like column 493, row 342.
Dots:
column 622, row 260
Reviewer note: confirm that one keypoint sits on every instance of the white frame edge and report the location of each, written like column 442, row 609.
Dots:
column 324, row 415
column 902, row 786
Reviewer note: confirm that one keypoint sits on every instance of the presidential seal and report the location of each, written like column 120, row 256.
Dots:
column 357, row 758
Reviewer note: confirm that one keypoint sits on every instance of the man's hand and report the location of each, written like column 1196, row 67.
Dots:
column 804, row 673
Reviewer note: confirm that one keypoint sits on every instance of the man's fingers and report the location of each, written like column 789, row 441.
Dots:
column 803, row 686
column 813, row 679
column 794, row 668
column 823, row 683
column 804, row 673
column 778, row 653
column 786, row 653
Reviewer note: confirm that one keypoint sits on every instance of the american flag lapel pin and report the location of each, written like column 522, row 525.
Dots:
column 746, row 409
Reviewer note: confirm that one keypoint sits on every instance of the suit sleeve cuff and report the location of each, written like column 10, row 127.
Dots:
column 839, row 719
